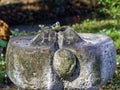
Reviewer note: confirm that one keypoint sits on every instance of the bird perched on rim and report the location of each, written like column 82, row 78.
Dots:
column 56, row 26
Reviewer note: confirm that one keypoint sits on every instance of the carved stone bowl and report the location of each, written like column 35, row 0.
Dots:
column 61, row 60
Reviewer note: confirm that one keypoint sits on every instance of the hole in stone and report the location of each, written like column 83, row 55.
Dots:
column 34, row 87
column 105, row 51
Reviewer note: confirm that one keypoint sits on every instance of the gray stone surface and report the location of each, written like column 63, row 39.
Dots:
column 64, row 63
column 61, row 60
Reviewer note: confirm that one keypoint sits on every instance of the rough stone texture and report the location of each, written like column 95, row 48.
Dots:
column 62, row 60
column 64, row 63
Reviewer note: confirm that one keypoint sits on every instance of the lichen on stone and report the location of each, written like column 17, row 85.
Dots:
column 96, row 70
column 64, row 63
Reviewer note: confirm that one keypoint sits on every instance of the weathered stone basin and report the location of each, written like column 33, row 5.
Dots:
column 61, row 60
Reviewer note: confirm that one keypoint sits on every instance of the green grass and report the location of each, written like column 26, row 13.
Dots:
column 96, row 26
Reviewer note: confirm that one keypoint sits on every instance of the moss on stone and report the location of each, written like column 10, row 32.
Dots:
column 64, row 63
column 96, row 70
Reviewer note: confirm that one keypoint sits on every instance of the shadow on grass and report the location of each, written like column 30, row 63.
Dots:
column 36, row 12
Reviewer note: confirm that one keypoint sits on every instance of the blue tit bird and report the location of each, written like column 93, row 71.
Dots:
column 56, row 26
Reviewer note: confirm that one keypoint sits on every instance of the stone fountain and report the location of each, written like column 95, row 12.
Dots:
column 61, row 60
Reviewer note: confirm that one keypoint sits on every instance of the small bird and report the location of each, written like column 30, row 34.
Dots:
column 56, row 26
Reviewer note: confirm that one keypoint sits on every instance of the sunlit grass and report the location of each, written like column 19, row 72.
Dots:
column 96, row 26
